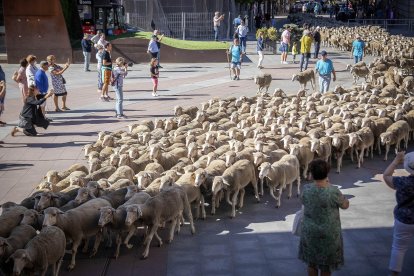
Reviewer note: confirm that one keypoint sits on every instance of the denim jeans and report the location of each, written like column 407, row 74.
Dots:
column 243, row 42
column 317, row 46
column 304, row 58
column 87, row 57
column 324, row 82
column 119, row 98
column 357, row 59
column 402, row 238
column 216, row 33
column 158, row 57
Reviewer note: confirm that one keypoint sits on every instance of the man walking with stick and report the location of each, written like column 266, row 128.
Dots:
column 236, row 53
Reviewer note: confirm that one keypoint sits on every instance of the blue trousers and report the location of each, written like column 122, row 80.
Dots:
column 324, row 82
column 119, row 99
column 357, row 59
column 216, row 33
column 243, row 43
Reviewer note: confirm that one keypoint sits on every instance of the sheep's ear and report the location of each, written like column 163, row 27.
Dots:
column 91, row 194
column 61, row 212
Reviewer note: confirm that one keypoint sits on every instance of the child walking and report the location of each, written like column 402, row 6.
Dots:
column 119, row 73
column 154, row 76
column 295, row 51
column 2, row 97
column 259, row 49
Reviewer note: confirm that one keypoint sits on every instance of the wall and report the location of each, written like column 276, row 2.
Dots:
column 35, row 28
column 405, row 8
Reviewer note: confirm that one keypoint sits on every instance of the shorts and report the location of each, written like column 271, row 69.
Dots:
column 106, row 76
column 154, row 55
column 154, row 81
column 235, row 65
column 284, row 47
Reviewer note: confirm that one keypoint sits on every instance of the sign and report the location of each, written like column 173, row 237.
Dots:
column 85, row 2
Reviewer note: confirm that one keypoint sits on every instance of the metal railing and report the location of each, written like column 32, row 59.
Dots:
column 387, row 24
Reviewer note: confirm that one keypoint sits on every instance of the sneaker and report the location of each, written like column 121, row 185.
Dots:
column 121, row 117
column 285, row 62
column 103, row 99
column 238, row 78
column 106, row 99
column 159, row 66
column 235, row 78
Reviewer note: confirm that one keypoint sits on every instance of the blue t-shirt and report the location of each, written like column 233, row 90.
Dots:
column 358, row 47
column 324, row 67
column 42, row 83
column 259, row 46
column 235, row 53
column 404, row 187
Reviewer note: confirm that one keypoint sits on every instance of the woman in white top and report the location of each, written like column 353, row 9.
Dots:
column 31, row 70
column 99, row 67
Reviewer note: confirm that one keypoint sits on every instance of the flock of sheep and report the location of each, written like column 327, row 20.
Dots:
column 159, row 172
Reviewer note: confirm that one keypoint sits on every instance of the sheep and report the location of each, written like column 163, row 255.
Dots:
column 263, row 81
column 322, row 147
column 168, row 159
column 168, row 205
column 48, row 199
column 122, row 172
column 303, row 153
column 65, row 183
column 191, row 111
column 304, row 77
column 234, row 180
column 33, row 218
column 398, row 131
column 340, row 143
column 281, row 173
column 104, row 172
column 55, row 176
column 360, row 141
column 78, row 223
column 204, row 177
column 18, row 238
column 45, row 249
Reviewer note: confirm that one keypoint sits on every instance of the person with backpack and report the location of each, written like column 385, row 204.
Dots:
column 236, row 53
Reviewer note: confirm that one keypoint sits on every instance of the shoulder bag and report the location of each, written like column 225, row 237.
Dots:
column 297, row 223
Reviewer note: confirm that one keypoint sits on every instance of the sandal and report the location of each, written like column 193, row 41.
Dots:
column 65, row 108
column 13, row 132
column 58, row 110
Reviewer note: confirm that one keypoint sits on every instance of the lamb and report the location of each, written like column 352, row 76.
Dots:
column 398, row 131
column 304, row 77
column 122, row 172
column 45, row 249
column 234, row 180
column 18, row 238
column 263, row 81
column 281, row 173
column 168, row 205
column 78, row 223
column 362, row 140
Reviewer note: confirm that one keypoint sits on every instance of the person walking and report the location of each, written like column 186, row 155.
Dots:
column 236, row 53
column 316, row 41
column 403, row 212
column 154, row 76
column 42, row 83
column 236, row 22
column 153, row 47
column 31, row 115
column 106, row 71
column 305, row 49
column 358, row 47
column 119, row 73
column 216, row 24
column 21, row 79
column 58, row 82
column 158, row 41
column 295, row 50
column 321, row 243
column 259, row 49
column 98, row 57
column 324, row 67
column 86, row 49
column 242, row 31
column 284, row 45
column 2, row 98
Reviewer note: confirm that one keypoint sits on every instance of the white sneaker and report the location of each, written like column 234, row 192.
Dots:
column 285, row 62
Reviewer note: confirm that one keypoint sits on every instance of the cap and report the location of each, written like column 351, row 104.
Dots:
column 409, row 162
column 43, row 62
column 323, row 53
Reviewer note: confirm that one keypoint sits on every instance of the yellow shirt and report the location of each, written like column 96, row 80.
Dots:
column 305, row 44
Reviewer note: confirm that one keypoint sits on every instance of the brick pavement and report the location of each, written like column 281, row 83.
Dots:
column 258, row 240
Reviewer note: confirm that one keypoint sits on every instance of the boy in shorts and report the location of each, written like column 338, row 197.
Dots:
column 236, row 53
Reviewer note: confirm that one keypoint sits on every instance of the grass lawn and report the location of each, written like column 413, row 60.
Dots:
column 178, row 43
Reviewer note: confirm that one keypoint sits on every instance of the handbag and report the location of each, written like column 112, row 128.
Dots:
column 297, row 223
column 63, row 80
column 14, row 76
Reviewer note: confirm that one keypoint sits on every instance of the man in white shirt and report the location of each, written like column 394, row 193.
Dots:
column 242, row 31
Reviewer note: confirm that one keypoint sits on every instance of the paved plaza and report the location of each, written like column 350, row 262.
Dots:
column 258, row 241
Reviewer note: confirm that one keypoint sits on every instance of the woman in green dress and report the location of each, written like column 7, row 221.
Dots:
column 321, row 246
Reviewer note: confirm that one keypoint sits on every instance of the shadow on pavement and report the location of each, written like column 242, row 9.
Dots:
column 14, row 166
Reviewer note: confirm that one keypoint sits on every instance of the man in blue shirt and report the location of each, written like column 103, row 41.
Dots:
column 358, row 47
column 86, row 49
column 237, row 21
column 236, row 57
column 324, row 68
column 42, row 83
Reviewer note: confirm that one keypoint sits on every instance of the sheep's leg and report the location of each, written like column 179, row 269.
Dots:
column 241, row 199
column 203, row 209
column 361, row 158
column 372, row 151
column 178, row 225
column 305, row 171
column 85, row 246
column 272, row 194
column 379, row 146
column 213, row 204
column 148, row 240
column 290, row 189
column 159, row 238
column 197, row 214
column 407, row 137
column 118, row 245
column 171, row 236
column 298, row 183
column 58, row 265
column 387, row 148
column 256, row 192
column 339, row 162
column 261, row 186
column 98, row 239
column 75, row 245
column 228, row 198
column 233, row 205
column 128, row 237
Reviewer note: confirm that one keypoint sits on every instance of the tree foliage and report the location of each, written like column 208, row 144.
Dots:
column 72, row 19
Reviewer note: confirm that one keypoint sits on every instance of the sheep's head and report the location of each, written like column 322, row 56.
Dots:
column 230, row 158
column 178, row 110
column 353, row 139
column 84, row 194
column 106, row 216
column 210, row 157
column 200, row 177
column 131, row 190
column 385, row 138
column 264, row 169
column 46, row 199
column 30, row 217
column 103, row 183
column 52, row 177
column 294, row 149
column 94, row 165
column 134, row 212
column 258, row 158
column 166, row 181
column 207, row 148
column 87, row 149
column 295, row 77
column 144, row 179
column 155, row 151
column 315, row 145
column 218, row 184
column 20, row 260
column 133, row 153
column 114, row 159
column 51, row 215
column 108, row 141
column 336, row 141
